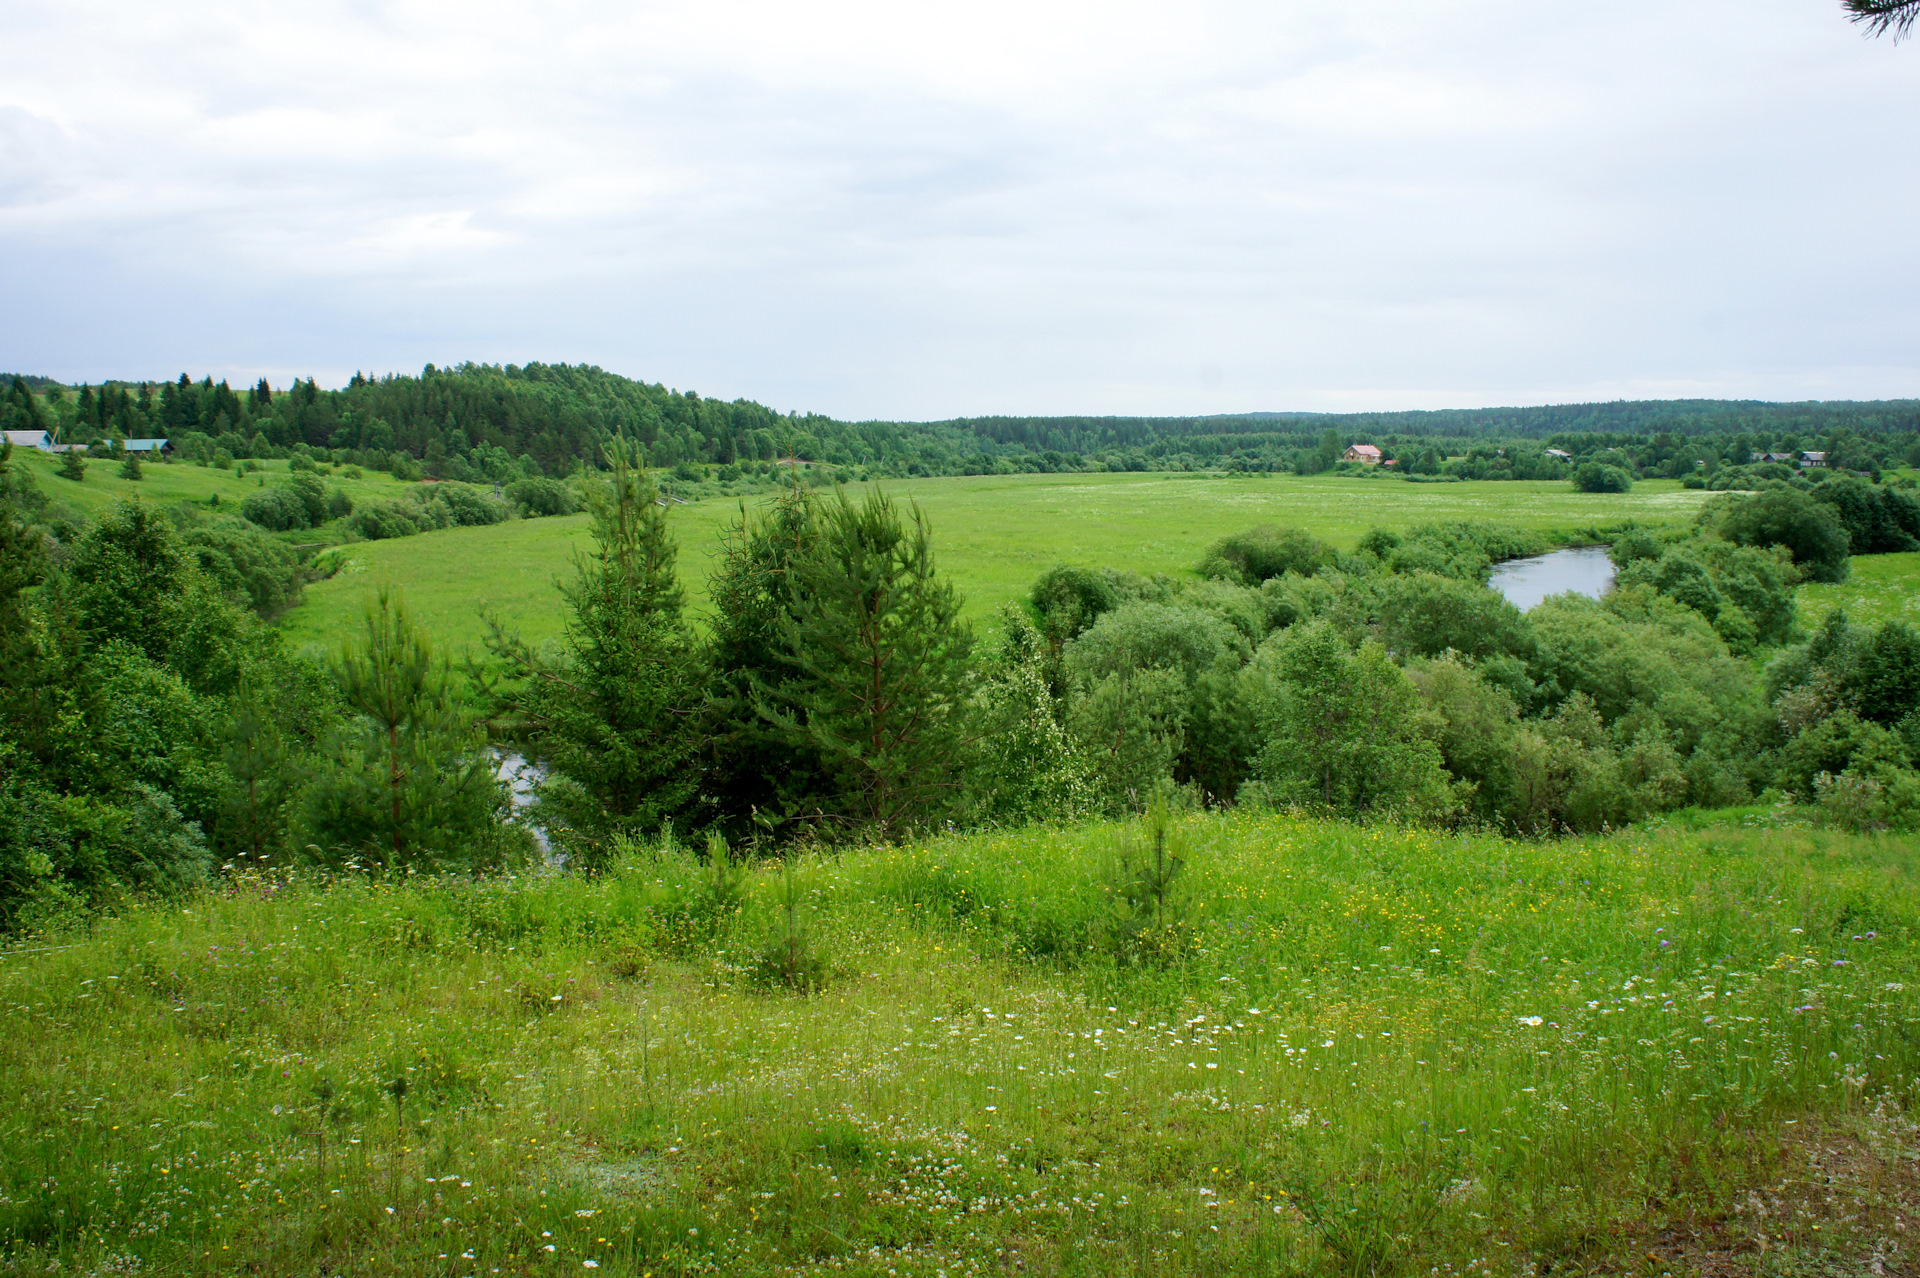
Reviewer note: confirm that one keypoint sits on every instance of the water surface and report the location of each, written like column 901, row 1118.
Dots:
column 1525, row 582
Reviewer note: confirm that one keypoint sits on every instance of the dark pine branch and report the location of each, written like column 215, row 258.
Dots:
column 1883, row 16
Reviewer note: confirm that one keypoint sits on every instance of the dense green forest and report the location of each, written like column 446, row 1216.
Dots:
column 494, row 423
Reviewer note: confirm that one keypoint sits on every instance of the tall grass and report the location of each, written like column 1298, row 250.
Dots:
column 1374, row 1050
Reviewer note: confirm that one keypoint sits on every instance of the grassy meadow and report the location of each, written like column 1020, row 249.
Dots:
column 1351, row 1051
column 1878, row 588
column 993, row 535
column 166, row 483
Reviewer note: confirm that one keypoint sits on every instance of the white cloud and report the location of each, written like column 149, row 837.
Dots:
column 921, row 209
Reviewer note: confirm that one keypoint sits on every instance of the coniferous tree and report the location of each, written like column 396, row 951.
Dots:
column 879, row 654
column 1882, row 16
column 754, row 768
column 614, row 715
column 130, row 468
column 406, row 786
column 254, row 820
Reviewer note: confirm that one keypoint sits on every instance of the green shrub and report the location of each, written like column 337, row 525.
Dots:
column 1252, row 557
column 380, row 521
column 1597, row 477
column 1878, row 520
column 460, row 505
column 63, row 853
column 1022, row 765
column 540, row 497
column 1340, row 730
column 1068, row 600
column 275, row 509
column 247, row 565
column 1424, row 615
column 1810, row 530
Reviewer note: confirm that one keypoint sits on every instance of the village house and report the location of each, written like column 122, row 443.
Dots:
column 35, row 439
column 1813, row 459
column 1559, row 454
column 1366, row 454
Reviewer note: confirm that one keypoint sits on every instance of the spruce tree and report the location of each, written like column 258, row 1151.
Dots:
column 614, row 714
column 130, row 468
column 406, row 785
column 879, row 659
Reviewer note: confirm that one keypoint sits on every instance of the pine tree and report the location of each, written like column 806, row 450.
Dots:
column 753, row 767
column 253, row 823
column 406, row 786
column 1881, row 16
column 615, row 715
column 130, row 468
column 73, row 465
column 879, row 655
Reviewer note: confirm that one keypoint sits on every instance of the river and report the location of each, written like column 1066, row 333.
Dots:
column 1585, row 570
column 510, row 767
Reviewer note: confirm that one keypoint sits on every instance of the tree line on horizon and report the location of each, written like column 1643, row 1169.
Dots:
column 493, row 423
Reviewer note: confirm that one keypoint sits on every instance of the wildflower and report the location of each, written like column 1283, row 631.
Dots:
column 589, row 1264
column 1530, row 1020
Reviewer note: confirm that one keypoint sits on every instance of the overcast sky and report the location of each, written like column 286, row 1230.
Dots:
column 918, row 210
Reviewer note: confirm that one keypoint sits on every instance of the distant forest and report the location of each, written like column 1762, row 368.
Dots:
column 490, row 422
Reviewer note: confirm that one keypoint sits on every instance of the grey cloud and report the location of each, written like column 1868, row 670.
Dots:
column 1020, row 208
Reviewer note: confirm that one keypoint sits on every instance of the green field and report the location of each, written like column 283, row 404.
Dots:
column 993, row 534
column 1354, row 1051
column 166, row 483
column 1878, row 588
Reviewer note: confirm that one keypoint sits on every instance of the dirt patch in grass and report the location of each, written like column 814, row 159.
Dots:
column 1844, row 1199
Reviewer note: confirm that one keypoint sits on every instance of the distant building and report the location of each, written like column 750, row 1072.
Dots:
column 1366, row 454
column 147, row 446
column 1785, row 459
column 35, row 439
column 1813, row 459
column 1559, row 454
